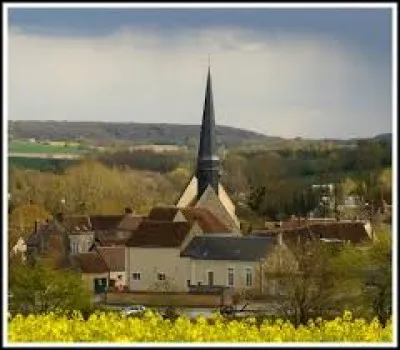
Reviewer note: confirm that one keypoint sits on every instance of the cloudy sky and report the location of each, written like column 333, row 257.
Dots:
column 283, row 72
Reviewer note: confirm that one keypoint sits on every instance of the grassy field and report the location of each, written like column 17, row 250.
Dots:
column 41, row 164
column 18, row 146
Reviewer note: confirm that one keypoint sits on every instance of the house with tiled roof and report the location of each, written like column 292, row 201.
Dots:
column 94, row 270
column 353, row 232
column 114, row 258
column 230, row 261
column 102, row 268
column 79, row 233
column 152, row 255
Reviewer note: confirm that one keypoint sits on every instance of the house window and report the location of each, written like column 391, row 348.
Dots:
column 75, row 248
column 210, row 278
column 249, row 277
column 161, row 276
column 136, row 276
column 230, row 277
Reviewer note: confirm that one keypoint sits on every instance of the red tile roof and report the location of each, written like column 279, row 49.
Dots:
column 354, row 232
column 89, row 262
column 111, row 238
column 114, row 257
column 208, row 222
column 166, row 213
column 105, row 222
column 130, row 222
column 80, row 223
column 159, row 234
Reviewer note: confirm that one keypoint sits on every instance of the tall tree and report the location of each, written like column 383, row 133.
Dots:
column 39, row 288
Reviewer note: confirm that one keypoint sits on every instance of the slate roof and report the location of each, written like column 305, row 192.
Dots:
column 208, row 222
column 208, row 142
column 114, row 257
column 228, row 247
column 159, row 234
column 89, row 262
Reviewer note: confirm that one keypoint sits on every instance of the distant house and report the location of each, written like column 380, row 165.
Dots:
column 231, row 261
column 354, row 232
column 114, row 258
column 79, row 233
column 94, row 270
column 153, row 259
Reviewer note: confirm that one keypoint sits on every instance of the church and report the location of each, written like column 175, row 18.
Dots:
column 204, row 189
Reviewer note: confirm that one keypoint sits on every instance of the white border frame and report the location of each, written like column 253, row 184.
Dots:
column 389, row 5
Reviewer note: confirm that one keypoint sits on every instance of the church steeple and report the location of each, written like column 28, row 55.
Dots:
column 208, row 162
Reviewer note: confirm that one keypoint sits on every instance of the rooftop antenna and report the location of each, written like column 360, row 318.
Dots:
column 209, row 61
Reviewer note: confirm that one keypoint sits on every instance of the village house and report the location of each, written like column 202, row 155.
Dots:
column 114, row 257
column 77, row 234
column 94, row 270
column 153, row 255
column 353, row 232
column 236, row 262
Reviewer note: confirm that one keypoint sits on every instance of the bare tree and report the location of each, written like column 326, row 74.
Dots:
column 304, row 289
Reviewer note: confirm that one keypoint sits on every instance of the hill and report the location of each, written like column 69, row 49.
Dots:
column 138, row 133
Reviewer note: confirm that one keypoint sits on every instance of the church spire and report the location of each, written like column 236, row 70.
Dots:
column 208, row 162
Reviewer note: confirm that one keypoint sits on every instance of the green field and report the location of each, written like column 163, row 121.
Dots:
column 42, row 164
column 18, row 146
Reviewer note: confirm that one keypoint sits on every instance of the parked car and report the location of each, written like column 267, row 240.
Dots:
column 133, row 310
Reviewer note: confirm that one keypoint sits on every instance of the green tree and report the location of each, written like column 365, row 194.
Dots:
column 377, row 280
column 39, row 288
column 365, row 274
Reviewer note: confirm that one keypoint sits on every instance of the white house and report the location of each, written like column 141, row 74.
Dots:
column 236, row 262
column 152, row 256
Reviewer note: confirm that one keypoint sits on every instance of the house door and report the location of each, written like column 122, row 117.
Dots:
column 210, row 278
column 100, row 285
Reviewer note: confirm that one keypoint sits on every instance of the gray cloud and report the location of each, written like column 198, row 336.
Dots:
column 283, row 85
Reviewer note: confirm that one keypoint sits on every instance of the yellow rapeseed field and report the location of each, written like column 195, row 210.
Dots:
column 112, row 327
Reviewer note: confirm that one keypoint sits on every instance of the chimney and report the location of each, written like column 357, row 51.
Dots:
column 128, row 210
column 60, row 217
